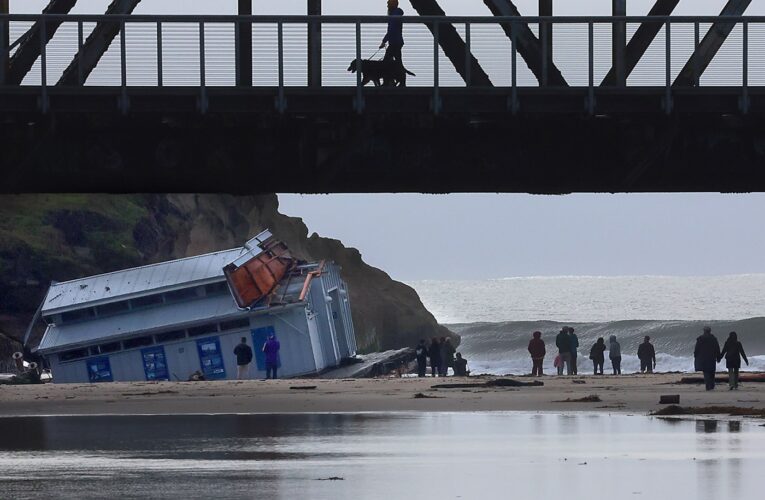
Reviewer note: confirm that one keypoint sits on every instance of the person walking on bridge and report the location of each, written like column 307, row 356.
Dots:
column 394, row 38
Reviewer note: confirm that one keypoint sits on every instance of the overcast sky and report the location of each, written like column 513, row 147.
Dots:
column 493, row 236
column 452, row 7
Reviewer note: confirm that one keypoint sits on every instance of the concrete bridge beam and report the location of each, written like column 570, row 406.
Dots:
column 454, row 46
column 29, row 48
column 96, row 45
column 528, row 45
column 710, row 44
column 639, row 43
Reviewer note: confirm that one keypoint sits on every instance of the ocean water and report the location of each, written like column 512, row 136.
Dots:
column 496, row 317
column 380, row 456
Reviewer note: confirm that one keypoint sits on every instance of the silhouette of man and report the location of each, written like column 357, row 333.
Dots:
column 394, row 38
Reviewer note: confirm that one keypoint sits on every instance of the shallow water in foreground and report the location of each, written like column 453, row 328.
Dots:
column 399, row 455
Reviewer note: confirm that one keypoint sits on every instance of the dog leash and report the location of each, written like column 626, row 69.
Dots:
column 378, row 50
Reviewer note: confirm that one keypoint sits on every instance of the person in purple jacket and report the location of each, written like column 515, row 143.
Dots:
column 271, row 350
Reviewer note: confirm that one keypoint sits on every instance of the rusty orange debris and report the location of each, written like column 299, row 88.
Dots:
column 257, row 272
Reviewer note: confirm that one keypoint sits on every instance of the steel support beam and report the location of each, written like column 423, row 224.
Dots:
column 710, row 45
column 97, row 44
column 454, row 46
column 619, row 43
column 546, row 10
column 314, row 45
column 29, row 43
column 244, row 46
column 640, row 41
column 529, row 46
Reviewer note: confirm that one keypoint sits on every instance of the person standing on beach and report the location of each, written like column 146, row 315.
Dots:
column 460, row 366
column 421, row 353
column 733, row 351
column 271, row 350
column 435, row 357
column 706, row 354
column 597, row 355
column 563, row 343
column 615, row 354
column 574, row 342
column 647, row 356
column 243, row 354
column 537, row 352
column 447, row 355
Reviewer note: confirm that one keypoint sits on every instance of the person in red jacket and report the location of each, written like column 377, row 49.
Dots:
column 537, row 351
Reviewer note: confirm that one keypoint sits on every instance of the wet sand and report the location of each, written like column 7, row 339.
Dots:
column 638, row 394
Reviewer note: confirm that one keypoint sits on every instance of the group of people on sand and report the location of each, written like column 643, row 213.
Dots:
column 707, row 355
column 442, row 356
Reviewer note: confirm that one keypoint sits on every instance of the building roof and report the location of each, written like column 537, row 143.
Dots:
column 150, row 320
column 138, row 281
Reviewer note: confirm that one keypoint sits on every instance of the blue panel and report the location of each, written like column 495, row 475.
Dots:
column 99, row 370
column 259, row 337
column 211, row 359
column 155, row 363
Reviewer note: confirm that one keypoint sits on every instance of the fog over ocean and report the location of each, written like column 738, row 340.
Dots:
column 496, row 317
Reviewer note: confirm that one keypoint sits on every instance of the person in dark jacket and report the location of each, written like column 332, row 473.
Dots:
column 421, row 353
column 647, row 356
column 435, row 357
column 447, row 355
column 563, row 343
column 271, row 350
column 460, row 366
column 733, row 351
column 574, row 342
column 598, row 356
column 243, row 354
column 705, row 354
column 537, row 352
column 394, row 37
column 615, row 354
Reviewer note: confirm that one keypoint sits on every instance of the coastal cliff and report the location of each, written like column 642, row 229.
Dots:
column 61, row 237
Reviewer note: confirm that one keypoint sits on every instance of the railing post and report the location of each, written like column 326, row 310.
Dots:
column 43, row 68
column 591, row 68
column 468, row 60
column 696, row 42
column 160, row 81
column 359, row 102
column 619, row 42
column 546, row 10
column 244, row 46
column 314, row 45
column 203, row 103
column 80, row 43
column 745, row 75
column 123, row 104
column 668, row 58
column 545, row 47
column 436, row 75
column 514, row 105
column 280, row 102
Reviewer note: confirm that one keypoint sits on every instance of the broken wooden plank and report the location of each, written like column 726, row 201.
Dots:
column 454, row 46
column 710, row 44
column 97, row 44
column 641, row 40
column 528, row 45
column 29, row 43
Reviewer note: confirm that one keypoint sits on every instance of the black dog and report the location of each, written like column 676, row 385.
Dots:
column 385, row 73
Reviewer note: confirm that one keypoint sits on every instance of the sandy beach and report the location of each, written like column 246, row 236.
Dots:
column 626, row 394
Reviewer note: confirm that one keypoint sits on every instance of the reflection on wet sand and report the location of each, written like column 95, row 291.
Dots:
column 474, row 455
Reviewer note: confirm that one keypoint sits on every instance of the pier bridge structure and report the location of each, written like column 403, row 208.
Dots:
column 122, row 102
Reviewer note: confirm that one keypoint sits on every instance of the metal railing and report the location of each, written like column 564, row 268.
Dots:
column 202, row 51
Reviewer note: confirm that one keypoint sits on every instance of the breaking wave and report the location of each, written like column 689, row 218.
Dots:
column 500, row 348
